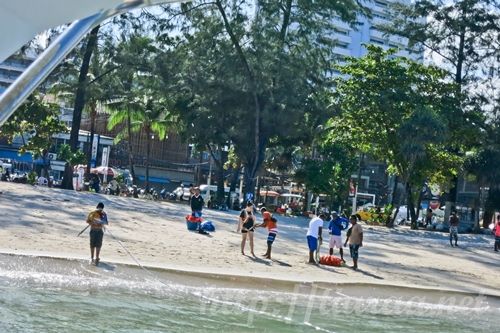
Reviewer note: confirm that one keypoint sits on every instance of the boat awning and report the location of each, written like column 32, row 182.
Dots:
column 24, row 19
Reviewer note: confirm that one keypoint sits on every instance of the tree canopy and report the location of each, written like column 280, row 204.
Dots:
column 404, row 113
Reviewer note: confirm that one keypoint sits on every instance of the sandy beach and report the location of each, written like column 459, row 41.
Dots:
column 45, row 222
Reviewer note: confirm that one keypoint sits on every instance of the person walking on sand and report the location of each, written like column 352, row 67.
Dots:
column 355, row 240
column 314, row 235
column 96, row 219
column 272, row 226
column 496, row 232
column 454, row 221
column 335, row 227
column 247, row 230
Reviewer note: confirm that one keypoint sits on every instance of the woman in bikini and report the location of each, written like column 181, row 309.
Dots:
column 247, row 230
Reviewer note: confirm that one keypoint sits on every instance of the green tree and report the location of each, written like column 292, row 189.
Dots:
column 35, row 122
column 462, row 35
column 136, row 58
column 268, row 61
column 71, row 157
column 147, row 116
column 406, row 114
column 136, row 100
column 329, row 172
column 483, row 163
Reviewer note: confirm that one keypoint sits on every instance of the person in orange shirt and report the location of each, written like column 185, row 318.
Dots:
column 271, row 224
column 96, row 219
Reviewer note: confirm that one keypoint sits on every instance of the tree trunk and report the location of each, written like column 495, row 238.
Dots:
column 220, row 185
column 492, row 204
column 249, row 184
column 93, row 114
column 452, row 199
column 250, row 169
column 232, row 187
column 129, row 143
column 411, row 207
column 148, row 146
column 220, row 159
column 67, row 182
column 392, row 218
column 82, row 88
column 419, row 203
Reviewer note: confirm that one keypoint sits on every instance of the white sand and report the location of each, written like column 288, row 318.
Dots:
column 44, row 221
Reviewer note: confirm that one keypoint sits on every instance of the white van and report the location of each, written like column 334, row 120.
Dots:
column 208, row 190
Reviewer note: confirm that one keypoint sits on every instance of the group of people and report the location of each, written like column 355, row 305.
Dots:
column 247, row 224
column 335, row 227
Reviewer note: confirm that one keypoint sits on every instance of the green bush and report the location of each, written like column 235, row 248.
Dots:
column 32, row 178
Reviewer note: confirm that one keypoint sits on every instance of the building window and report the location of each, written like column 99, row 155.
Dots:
column 380, row 16
column 342, row 32
column 381, row 3
column 376, row 41
column 342, row 45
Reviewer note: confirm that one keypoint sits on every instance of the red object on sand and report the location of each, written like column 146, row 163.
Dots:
column 194, row 219
column 330, row 261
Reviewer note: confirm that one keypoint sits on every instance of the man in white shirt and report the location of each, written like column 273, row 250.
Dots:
column 314, row 234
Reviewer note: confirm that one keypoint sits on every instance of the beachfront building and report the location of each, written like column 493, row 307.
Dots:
column 169, row 162
column 351, row 41
column 11, row 68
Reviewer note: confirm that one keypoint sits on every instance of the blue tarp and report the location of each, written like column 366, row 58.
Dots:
column 155, row 179
column 12, row 154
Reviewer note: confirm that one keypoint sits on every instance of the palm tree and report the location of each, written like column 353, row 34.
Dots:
column 142, row 114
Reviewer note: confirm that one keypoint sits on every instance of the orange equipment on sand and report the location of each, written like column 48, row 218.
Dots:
column 330, row 261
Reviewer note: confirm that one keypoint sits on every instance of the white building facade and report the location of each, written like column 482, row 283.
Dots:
column 351, row 40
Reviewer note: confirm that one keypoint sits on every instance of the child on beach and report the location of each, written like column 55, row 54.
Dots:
column 272, row 226
column 96, row 219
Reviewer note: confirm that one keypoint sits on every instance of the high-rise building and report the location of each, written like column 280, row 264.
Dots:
column 351, row 40
column 11, row 68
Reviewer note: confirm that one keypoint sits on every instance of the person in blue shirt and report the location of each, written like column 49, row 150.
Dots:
column 335, row 227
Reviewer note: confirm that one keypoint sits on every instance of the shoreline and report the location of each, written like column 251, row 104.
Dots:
column 269, row 283
column 44, row 222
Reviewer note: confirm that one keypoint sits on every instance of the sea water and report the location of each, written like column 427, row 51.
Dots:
column 49, row 295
